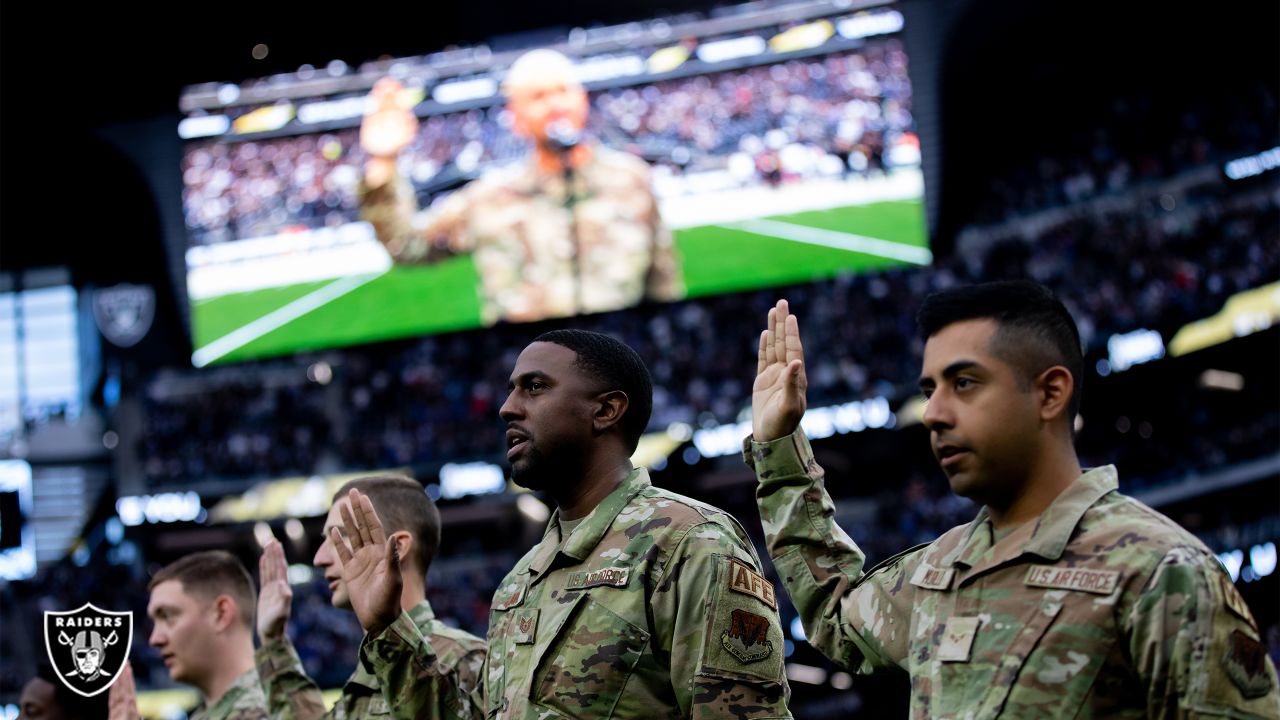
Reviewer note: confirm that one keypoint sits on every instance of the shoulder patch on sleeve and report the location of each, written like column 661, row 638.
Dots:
column 1231, row 598
column 1246, row 664
column 743, row 636
column 747, row 637
column 744, row 580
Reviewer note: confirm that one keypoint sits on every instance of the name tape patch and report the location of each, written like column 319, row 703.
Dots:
column 1235, row 603
column 932, row 578
column 1099, row 582
column 509, row 596
column 749, row 582
column 611, row 576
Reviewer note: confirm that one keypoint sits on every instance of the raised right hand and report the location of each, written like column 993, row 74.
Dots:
column 274, row 596
column 122, row 698
column 370, row 564
column 391, row 125
column 777, row 397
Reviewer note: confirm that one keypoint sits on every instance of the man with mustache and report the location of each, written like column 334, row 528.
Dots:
column 1063, row 598
column 414, row 525
column 637, row 603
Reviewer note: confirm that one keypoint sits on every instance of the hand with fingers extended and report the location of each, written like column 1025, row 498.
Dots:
column 390, row 125
column 777, row 397
column 122, row 698
column 370, row 564
column 274, row 596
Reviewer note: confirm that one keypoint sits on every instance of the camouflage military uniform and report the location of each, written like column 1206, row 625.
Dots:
column 516, row 224
column 294, row 696
column 242, row 701
column 1100, row 608
column 653, row 607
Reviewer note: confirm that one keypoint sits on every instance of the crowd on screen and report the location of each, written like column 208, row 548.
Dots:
column 431, row 400
column 836, row 114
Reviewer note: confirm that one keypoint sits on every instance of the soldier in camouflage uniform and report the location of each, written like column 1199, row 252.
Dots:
column 1062, row 598
column 202, row 606
column 414, row 523
column 546, row 242
column 637, row 603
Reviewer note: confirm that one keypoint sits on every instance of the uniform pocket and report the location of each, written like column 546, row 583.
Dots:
column 585, row 667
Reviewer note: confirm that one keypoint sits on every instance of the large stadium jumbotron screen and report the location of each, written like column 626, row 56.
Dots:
column 780, row 142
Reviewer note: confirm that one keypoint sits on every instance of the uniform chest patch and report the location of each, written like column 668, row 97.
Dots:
column 957, row 639
column 612, row 577
column 524, row 627
column 932, row 578
column 747, row 636
column 749, row 582
column 1099, row 582
column 508, row 596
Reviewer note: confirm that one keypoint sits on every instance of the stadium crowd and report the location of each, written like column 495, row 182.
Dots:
column 847, row 107
column 1156, row 265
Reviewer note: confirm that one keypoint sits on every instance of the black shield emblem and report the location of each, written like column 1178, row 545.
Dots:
column 88, row 647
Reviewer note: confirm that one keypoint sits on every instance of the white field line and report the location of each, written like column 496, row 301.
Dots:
column 246, row 334
column 836, row 239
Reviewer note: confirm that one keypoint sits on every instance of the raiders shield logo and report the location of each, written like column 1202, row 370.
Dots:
column 88, row 647
column 124, row 312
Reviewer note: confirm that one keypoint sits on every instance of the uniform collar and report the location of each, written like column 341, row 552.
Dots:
column 591, row 530
column 247, row 681
column 1046, row 536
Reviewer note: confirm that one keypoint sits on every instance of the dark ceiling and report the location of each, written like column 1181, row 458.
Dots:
column 1014, row 74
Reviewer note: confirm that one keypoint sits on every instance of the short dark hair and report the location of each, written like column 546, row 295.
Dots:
column 618, row 366
column 402, row 504
column 1034, row 330
column 211, row 573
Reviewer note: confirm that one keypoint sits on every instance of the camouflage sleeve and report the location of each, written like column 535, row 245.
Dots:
column 860, row 620
column 416, row 685
column 1196, row 645
column 665, row 279
column 718, row 617
column 391, row 209
column 290, row 694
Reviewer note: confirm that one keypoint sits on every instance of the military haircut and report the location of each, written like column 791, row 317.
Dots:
column 210, row 573
column 1034, row 331
column 402, row 504
column 619, row 367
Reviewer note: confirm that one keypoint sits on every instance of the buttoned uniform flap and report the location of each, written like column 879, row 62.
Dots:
column 743, row 638
column 998, row 653
column 1059, row 628
column 378, row 707
column 585, row 656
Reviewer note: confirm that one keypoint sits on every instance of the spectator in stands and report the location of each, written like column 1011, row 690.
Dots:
column 573, row 229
